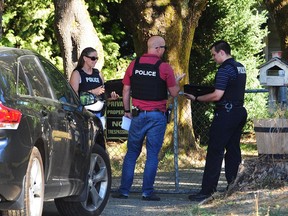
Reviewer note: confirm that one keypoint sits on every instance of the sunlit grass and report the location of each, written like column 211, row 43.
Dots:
column 166, row 163
column 249, row 149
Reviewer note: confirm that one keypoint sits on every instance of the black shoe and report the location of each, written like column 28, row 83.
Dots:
column 152, row 197
column 199, row 196
column 119, row 196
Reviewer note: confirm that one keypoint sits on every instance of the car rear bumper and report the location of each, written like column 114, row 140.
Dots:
column 11, row 197
column 13, row 164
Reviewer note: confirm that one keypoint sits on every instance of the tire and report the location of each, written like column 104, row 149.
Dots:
column 34, row 188
column 99, row 186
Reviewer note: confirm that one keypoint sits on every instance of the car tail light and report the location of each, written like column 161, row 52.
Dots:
column 9, row 118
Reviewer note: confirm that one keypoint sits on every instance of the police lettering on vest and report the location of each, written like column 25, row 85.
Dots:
column 145, row 73
column 89, row 81
column 241, row 70
column 92, row 79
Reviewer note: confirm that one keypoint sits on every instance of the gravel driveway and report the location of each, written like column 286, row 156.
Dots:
column 170, row 204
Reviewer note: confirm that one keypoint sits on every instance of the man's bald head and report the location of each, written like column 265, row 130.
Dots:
column 156, row 45
column 155, row 41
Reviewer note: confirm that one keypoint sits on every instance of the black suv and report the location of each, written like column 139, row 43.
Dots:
column 51, row 147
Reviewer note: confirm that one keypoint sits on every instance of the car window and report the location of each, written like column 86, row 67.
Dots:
column 7, row 81
column 23, row 82
column 61, row 87
column 31, row 70
column 12, row 80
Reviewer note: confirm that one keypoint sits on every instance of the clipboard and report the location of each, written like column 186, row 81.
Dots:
column 198, row 90
column 125, row 125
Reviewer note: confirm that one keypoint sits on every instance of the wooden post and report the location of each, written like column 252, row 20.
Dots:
column 272, row 136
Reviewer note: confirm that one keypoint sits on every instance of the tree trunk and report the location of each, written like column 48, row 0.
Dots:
column 278, row 10
column 75, row 31
column 176, row 22
column 1, row 15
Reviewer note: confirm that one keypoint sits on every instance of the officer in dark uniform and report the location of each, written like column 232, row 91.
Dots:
column 229, row 119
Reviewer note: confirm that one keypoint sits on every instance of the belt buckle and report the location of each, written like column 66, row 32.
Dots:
column 228, row 106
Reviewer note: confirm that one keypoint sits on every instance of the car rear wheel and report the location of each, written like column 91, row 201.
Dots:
column 99, row 185
column 34, row 188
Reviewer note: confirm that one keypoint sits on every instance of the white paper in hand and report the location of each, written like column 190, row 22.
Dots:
column 125, row 123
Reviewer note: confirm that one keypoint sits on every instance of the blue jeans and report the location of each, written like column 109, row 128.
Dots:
column 151, row 125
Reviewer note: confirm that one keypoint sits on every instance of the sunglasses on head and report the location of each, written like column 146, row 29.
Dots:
column 93, row 58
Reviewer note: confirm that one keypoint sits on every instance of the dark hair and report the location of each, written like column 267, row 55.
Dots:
column 85, row 52
column 221, row 45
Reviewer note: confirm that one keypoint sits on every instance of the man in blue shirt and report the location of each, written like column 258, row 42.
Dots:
column 229, row 119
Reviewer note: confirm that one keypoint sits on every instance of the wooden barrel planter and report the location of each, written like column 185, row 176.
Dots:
column 272, row 137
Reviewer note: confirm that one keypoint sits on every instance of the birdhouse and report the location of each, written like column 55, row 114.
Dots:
column 274, row 73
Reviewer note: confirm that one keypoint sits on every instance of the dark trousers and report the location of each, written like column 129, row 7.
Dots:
column 224, row 142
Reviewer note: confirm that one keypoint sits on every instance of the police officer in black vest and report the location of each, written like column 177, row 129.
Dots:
column 229, row 119
column 146, row 80
column 86, row 78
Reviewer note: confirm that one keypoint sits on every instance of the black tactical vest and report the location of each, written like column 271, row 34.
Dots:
column 146, row 83
column 235, row 90
column 89, row 82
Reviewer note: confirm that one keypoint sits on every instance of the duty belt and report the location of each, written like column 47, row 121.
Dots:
column 154, row 110
column 229, row 106
column 136, row 111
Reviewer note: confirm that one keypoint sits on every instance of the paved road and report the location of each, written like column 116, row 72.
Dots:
column 170, row 204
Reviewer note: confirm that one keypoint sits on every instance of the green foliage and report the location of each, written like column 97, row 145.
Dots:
column 115, row 66
column 243, row 25
column 29, row 24
column 249, row 149
column 104, row 16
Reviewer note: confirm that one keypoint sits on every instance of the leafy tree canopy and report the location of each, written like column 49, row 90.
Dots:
column 29, row 24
